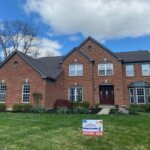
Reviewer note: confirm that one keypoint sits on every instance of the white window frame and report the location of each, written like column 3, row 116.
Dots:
column 75, row 94
column 105, row 66
column 145, row 70
column 1, row 93
column 132, row 95
column 76, row 65
column 139, row 95
column 131, row 67
column 25, row 93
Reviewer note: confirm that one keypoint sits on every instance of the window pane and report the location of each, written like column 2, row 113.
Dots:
column 79, row 94
column 2, row 92
column 146, row 69
column 75, row 94
column 26, row 93
column 72, row 70
column 129, row 70
column 131, row 94
column 140, row 95
column 72, row 94
column 76, row 70
column 79, row 69
column 105, row 69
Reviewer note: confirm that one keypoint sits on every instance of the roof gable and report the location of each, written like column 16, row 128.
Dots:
column 100, row 45
column 81, row 52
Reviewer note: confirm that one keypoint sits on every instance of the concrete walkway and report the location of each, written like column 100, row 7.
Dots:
column 105, row 110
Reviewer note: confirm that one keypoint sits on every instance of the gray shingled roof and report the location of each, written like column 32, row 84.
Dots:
column 135, row 56
column 49, row 67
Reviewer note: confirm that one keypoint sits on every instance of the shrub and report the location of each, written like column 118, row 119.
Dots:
column 17, row 108
column 139, row 108
column 63, row 110
column 37, row 98
column 76, row 104
column 113, row 111
column 81, row 110
column 85, row 104
column 26, row 107
column 62, row 103
column 2, row 107
column 38, row 110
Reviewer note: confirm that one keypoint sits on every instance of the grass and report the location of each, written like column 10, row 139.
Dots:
column 19, row 131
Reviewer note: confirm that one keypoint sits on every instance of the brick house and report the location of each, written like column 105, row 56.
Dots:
column 90, row 72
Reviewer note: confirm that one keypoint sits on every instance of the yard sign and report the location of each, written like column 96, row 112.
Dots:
column 92, row 127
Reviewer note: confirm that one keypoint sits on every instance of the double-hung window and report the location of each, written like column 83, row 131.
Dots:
column 105, row 69
column 140, row 94
column 76, row 69
column 131, row 94
column 26, row 93
column 129, row 70
column 75, row 94
column 2, row 92
column 145, row 69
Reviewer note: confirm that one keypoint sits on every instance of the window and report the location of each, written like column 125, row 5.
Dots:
column 148, row 95
column 131, row 94
column 26, row 93
column 129, row 70
column 75, row 94
column 76, row 70
column 105, row 69
column 145, row 69
column 140, row 94
column 2, row 92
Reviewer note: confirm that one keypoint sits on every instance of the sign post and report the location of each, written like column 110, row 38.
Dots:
column 92, row 127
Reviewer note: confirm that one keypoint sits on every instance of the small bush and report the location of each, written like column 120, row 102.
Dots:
column 113, row 111
column 26, row 107
column 17, row 108
column 2, row 107
column 81, row 110
column 62, row 103
column 38, row 110
column 63, row 110
column 76, row 104
column 85, row 104
column 139, row 107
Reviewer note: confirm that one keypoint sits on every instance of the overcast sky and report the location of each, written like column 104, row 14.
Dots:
column 121, row 25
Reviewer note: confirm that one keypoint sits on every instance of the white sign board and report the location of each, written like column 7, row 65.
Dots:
column 92, row 127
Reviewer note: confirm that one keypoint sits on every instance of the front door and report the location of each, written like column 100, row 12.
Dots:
column 106, row 94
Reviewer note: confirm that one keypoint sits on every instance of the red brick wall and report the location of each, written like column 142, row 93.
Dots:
column 15, row 78
column 98, row 54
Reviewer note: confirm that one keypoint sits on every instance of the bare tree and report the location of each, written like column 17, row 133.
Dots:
column 17, row 35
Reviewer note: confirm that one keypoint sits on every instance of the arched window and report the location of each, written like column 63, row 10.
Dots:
column 26, row 93
column 75, row 94
column 76, row 69
column 3, row 92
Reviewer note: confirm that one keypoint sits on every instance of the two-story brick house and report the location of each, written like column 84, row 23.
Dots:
column 90, row 72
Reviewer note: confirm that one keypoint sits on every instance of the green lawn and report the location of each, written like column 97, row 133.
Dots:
column 19, row 131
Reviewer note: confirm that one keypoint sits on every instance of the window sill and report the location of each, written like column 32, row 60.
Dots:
column 2, row 102
column 25, row 102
